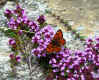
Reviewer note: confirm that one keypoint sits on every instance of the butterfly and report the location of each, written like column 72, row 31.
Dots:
column 56, row 43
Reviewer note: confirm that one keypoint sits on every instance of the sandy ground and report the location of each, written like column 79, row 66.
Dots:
column 83, row 13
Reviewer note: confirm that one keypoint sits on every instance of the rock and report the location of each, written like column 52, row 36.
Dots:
column 2, row 2
column 81, row 12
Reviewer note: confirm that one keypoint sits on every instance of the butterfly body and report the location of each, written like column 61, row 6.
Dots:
column 56, row 43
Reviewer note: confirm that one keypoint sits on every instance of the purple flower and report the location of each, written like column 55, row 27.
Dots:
column 76, row 61
column 12, row 41
column 20, row 32
column 67, row 71
column 30, row 23
column 8, row 13
column 63, row 59
column 70, row 66
column 54, row 60
column 62, row 73
column 48, row 28
column 83, row 60
column 25, row 19
column 97, row 45
column 47, row 36
column 19, row 11
column 97, row 64
column 38, row 55
column 42, row 38
column 18, row 58
column 35, row 39
column 88, row 49
column 62, row 68
column 57, row 56
column 82, row 77
column 18, row 7
column 35, row 51
column 50, row 62
column 54, row 65
column 19, row 20
column 55, row 70
column 60, row 64
column 89, row 40
column 34, row 26
column 41, row 19
column 12, row 23
column 44, row 54
column 97, row 38
column 11, row 56
column 23, row 13
column 40, row 47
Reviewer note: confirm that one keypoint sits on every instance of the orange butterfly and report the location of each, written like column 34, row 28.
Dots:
column 56, row 43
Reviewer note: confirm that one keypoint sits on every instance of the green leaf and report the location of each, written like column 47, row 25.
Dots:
column 35, row 45
column 66, row 74
column 10, row 33
column 74, row 31
column 66, row 23
column 69, row 28
column 13, row 49
column 47, row 11
column 9, row 30
column 82, row 37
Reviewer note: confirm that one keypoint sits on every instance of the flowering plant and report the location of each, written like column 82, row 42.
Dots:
column 29, row 39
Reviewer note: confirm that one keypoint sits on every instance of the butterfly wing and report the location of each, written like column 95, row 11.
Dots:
column 58, row 37
column 62, row 42
column 50, row 48
column 56, row 48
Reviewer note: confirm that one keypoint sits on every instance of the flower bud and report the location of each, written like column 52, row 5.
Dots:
column 18, row 58
column 41, row 19
column 11, row 56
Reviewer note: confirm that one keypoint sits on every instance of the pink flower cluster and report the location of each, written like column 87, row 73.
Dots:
column 42, row 39
column 77, row 65
column 18, row 20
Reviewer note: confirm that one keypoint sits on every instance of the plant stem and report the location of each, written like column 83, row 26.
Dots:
column 30, row 67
